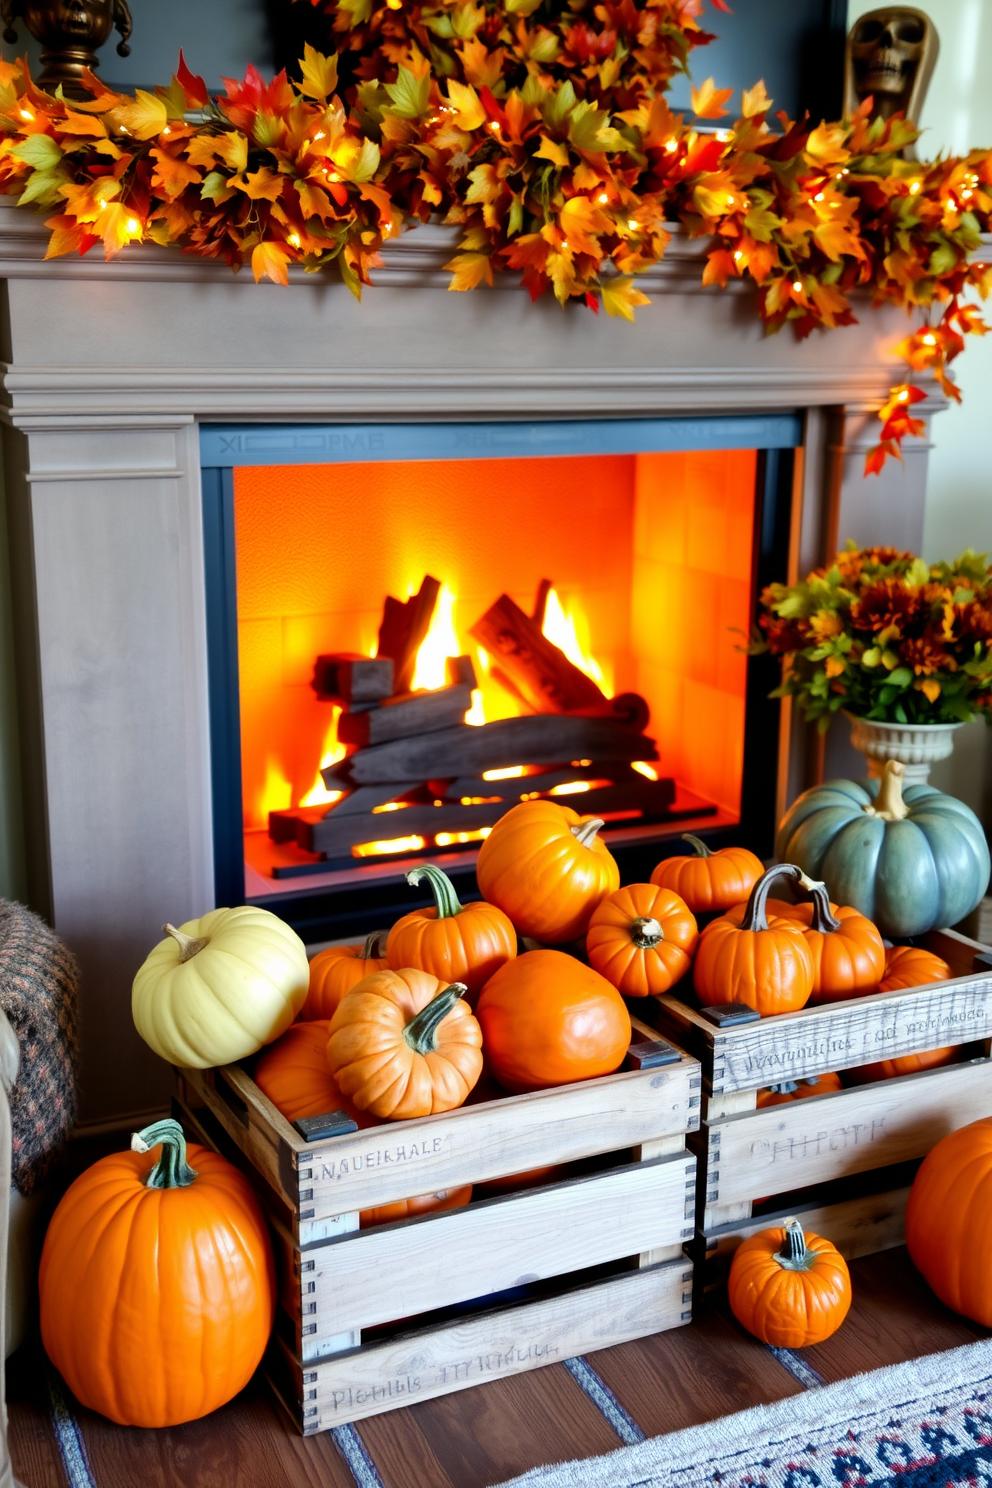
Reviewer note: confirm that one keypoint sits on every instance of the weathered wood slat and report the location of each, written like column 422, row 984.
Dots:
column 366, row 797
column 793, row 1146
column 465, row 750
column 352, row 681
column 255, row 1124
column 540, row 670
column 412, row 713
column 487, row 1346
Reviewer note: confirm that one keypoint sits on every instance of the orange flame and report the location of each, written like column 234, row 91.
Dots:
column 318, row 794
column 562, row 630
column 440, row 642
column 394, row 845
column 277, row 792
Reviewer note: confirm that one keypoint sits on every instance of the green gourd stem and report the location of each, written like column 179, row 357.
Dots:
column 797, row 1258
column 421, row 1032
column 755, row 915
column 824, row 920
column 889, row 804
column 372, row 949
column 586, row 831
column 189, row 945
column 646, row 934
column 172, row 1170
column 699, row 848
column 445, row 898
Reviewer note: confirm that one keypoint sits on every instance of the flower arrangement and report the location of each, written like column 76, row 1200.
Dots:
column 543, row 133
column 885, row 636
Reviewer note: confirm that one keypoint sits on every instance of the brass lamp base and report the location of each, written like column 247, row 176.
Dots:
column 70, row 32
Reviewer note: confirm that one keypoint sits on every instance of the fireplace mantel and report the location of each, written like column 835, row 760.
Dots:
column 110, row 368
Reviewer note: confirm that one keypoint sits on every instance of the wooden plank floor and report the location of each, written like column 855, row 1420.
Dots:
column 477, row 1437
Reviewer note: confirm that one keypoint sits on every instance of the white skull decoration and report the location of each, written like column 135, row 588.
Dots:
column 890, row 57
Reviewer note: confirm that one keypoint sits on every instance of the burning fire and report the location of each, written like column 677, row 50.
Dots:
column 561, row 630
column 318, row 794
column 393, row 845
column 277, row 792
column 440, row 642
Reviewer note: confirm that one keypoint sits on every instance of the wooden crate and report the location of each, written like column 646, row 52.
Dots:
column 749, row 1156
column 588, row 1262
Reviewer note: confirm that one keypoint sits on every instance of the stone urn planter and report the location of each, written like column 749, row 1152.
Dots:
column 917, row 746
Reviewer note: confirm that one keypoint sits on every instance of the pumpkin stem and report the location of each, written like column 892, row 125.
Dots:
column 172, row 1170
column 372, row 949
column 189, row 945
column 755, row 916
column 798, row 1257
column 646, row 934
column 421, row 1032
column 586, row 831
column 445, row 898
column 699, row 848
column 824, row 918
column 889, row 804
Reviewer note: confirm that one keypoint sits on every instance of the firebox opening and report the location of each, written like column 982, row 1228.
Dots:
column 649, row 558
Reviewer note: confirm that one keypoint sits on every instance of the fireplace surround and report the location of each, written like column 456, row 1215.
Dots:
column 117, row 378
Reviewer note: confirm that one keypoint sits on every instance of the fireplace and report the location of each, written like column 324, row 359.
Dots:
column 140, row 393
column 589, row 586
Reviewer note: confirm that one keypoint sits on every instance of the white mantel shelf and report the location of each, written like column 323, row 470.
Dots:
column 108, row 371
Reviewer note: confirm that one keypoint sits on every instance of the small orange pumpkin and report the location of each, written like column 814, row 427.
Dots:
column 709, row 882
column 293, row 1073
column 157, row 1283
column 516, row 1182
column 848, row 952
column 793, row 1090
column 435, row 1203
column 548, row 1020
column 912, row 966
column 789, row 1289
column 453, row 941
column 948, row 1220
column 545, row 867
column 403, row 1044
column 641, row 938
column 335, row 971
column 763, row 963
column 903, row 1064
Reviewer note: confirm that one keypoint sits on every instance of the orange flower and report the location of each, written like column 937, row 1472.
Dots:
column 926, row 655
column 825, row 624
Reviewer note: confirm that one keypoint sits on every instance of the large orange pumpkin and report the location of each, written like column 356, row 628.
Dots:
column 949, row 1220
column 403, row 1044
column 764, row 963
column 912, row 966
column 157, row 1284
column 709, row 882
column 548, row 1020
column 641, row 939
column 848, row 952
column 547, row 869
column 789, row 1289
column 293, row 1073
column 335, row 971
column 434, row 1203
column 453, row 941
column 903, row 1064
column 793, row 1090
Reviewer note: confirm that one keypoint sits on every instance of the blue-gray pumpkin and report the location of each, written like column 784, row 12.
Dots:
column 909, row 860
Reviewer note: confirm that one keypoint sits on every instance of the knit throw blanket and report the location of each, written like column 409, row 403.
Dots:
column 38, row 984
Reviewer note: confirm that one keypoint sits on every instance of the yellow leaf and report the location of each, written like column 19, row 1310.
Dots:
column 87, row 202
column 201, row 150
column 232, row 148
column 112, row 226
column 469, row 270
column 826, row 144
column 755, row 100
column 261, row 185
column 145, row 117
column 486, row 185
column 620, row 297
column 269, row 261
column 320, row 73
column 67, row 236
column 557, row 154
column 470, row 113
column 834, row 238
column 929, row 686
column 579, row 219
column 81, row 124
column 707, row 100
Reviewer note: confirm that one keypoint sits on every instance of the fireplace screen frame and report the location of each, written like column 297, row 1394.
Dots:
column 322, row 914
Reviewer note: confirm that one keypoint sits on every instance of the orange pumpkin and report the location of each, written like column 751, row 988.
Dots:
column 435, row 1203
column 911, row 966
column 545, row 867
column 709, row 882
column 793, row 1090
column 789, row 1289
column 903, row 1064
column 293, row 1073
column 641, row 939
column 453, row 941
column 949, row 1220
column 403, row 1044
column 763, row 963
column 548, row 1020
column 335, row 971
column 515, row 1182
column 848, row 952
column 157, row 1284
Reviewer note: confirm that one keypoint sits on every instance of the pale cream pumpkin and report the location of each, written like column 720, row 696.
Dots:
column 220, row 987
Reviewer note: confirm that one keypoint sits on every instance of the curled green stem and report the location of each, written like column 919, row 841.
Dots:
column 421, row 1032
column 172, row 1170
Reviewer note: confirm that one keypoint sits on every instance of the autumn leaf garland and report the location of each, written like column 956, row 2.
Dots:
column 543, row 134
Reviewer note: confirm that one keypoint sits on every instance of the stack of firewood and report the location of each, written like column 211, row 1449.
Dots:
column 416, row 769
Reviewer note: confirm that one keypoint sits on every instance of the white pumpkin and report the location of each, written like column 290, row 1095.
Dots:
column 220, row 987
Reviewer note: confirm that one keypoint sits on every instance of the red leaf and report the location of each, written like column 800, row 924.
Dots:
column 593, row 303
column 194, row 87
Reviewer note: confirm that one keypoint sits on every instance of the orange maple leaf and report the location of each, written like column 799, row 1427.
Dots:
column 269, row 260
column 708, row 98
